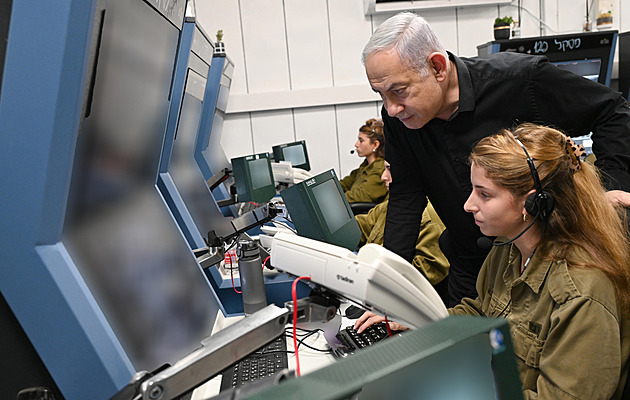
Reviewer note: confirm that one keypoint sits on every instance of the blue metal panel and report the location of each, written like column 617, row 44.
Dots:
column 611, row 59
column 177, row 95
column 209, row 105
column 165, row 183
column 215, row 100
column 40, row 108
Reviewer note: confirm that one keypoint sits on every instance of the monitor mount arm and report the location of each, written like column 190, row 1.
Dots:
column 218, row 178
column 251, row 219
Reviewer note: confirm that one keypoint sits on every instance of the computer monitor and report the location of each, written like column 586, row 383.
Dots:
column 319, row 210
column 118, row 230
column 181, row 180
column 189, row 182
column 209, row 152
column 588, row 68
column 253, row 178
column 463, row 358
column 96, row 270
column 295, row 152
column 588, row 54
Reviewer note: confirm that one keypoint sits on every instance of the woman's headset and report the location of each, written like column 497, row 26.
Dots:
column 539, row 204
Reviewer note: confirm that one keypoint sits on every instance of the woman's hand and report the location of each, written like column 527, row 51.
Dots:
column 369, row 318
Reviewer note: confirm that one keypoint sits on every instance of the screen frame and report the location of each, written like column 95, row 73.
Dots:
column 308, row 217
column 278, row 154
column 243, row 179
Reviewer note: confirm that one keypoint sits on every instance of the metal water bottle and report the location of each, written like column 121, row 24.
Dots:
column 252, row 281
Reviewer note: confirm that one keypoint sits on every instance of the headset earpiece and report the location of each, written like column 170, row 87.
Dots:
column 539, row 204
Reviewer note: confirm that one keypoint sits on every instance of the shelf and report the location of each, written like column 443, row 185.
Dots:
column 372, row 7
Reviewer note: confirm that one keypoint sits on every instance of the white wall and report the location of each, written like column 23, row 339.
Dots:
column 298, row 72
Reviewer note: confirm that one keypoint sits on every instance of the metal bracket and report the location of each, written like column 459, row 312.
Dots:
column 218, row 352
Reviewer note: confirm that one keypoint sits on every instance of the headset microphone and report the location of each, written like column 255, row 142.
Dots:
column 485, row 243
column 352, row 151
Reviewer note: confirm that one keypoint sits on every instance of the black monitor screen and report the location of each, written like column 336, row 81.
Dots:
column 295, row 153
column 589, row 69
column 331, row 203
column 260, row 173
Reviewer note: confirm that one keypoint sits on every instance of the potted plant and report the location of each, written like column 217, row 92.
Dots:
column 604, row 20
column 219, row 46
column 502, row 28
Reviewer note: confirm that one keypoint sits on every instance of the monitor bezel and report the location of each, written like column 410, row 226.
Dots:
column 243, row 179
column 312, row 224
column 278, row 154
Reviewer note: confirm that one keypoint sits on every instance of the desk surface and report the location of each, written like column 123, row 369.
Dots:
column 310, row 360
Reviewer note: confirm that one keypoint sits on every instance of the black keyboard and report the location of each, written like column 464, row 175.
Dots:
column 265, row 362
column 351, row 340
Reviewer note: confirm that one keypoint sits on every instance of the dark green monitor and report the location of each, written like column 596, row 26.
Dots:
column 319, row 210
column 456, row 358
column 253, row 178
column 295, row 152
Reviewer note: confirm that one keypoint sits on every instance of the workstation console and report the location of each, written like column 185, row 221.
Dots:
column 97, row 270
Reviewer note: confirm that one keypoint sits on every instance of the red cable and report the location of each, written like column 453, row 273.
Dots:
column 232, row 274
column 265, row 262
column 389, row 331
column 295, row 344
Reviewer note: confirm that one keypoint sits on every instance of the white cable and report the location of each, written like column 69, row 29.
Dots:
column 539, row 20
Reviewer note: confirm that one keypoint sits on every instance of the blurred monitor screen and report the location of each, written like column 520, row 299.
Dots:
column 117, row 229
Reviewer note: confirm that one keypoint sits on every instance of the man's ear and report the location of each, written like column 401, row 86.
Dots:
column 438, row 63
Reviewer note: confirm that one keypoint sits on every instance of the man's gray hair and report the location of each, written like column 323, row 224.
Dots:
column 412, row 38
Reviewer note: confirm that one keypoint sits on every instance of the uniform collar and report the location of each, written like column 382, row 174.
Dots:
column 535, row 274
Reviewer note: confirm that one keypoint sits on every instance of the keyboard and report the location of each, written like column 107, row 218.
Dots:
column 351, row 340
column 265, row 362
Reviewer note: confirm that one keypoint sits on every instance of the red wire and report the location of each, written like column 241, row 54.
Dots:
column 265, row 262
column 389, row 331
column 229, row 257
column 295, row 344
